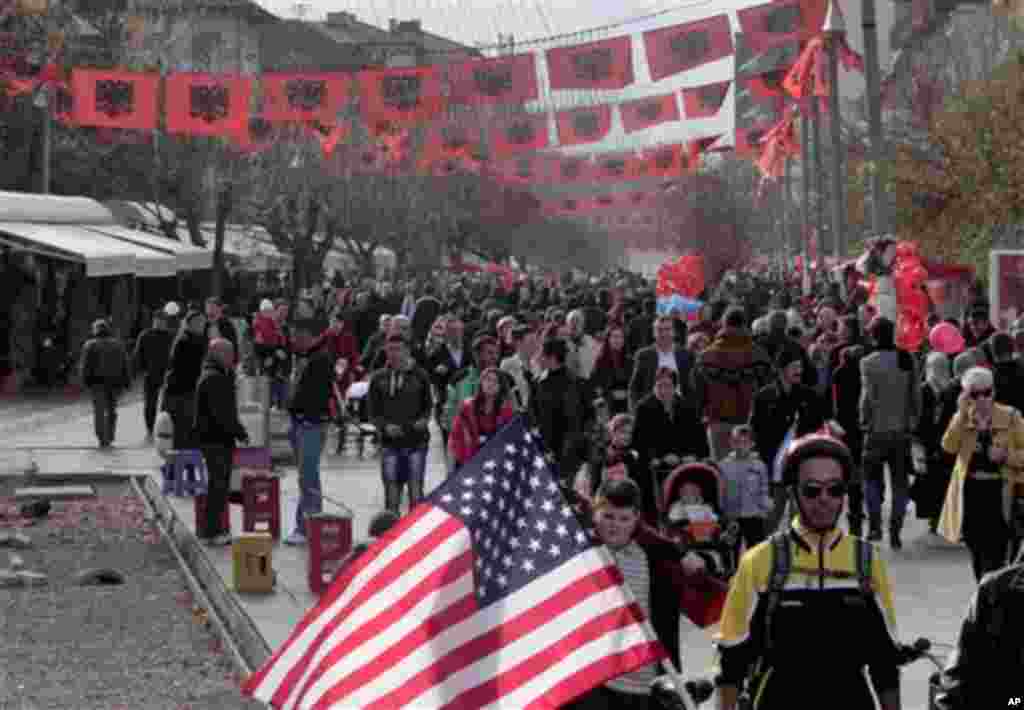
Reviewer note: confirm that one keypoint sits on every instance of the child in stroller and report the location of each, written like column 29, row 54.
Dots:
column 342, row 410
column 692, row 515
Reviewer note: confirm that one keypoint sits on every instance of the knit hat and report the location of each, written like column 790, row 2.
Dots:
column 266, row 305
column 172, row 309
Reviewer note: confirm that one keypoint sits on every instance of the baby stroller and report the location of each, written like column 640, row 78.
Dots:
column 691, row 514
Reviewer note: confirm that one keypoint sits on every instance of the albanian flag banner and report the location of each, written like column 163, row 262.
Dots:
column 525, row 170
column 402, row 96
column 571, row 169
column 663, row 161
column 451, row 139
column 800, row 79
column 115, row 99
column 672, row 50
column 207, row 104
column 705, row 101
column 305, row 97
column 329, row 135
column 613, row 167
column 584, row 125
column 505, row 80
column 257, row 135
column 645, row 113
column 748, row 141
column 567, row 206
column 769, row 84
column 606, row 64
column 520, row 134
column 769, row 25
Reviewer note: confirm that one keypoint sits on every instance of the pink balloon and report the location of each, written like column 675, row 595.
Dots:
column 946, row 339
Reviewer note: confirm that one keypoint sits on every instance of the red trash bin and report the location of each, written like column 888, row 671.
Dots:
column 329, row 539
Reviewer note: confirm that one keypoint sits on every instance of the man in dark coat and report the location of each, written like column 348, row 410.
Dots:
column 105, row 373
column 152, row 353
column 217, row 428
column 557, row 408
column 427, row 310
column 777, row 407
column 665, row 353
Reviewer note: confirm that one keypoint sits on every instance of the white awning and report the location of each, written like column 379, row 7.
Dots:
column 52, row 209
column 251, row 248
column 187, row 257
column 103, row 255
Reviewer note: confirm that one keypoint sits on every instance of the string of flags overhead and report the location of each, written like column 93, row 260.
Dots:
column 476, row 114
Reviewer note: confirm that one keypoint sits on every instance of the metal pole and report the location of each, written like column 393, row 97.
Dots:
column 787, row 235
column 873, row 94
column 805, row 184
column 836, row 128
column 47, row 140
column 819, row 177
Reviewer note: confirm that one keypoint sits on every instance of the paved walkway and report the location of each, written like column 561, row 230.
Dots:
column 932, row 580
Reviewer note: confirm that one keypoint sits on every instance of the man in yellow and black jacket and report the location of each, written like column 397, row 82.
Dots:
column 809, row 620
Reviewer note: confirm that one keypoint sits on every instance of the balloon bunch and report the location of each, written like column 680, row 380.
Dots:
column 909, row 276
column 679, row 284
column 684, row 276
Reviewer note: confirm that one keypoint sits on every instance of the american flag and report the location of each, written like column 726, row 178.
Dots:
column 489, row 594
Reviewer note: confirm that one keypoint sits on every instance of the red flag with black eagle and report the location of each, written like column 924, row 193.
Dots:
column 115, row 99
column 705, row 101
column 448, row 139
column 584, row 125
column 402, row 96
column 257, row 135
column 661, row 161
column 207, row 104
column 769, row 84
column 519, row 134
column 305, row 97
column 524, row 170
column 502, row 80
column 774, row 23
column 570, row 169
column 605, row 64
column 652, row 111
column 612, row 167
column 671, row 50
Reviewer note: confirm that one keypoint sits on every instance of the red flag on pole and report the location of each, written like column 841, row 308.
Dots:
column 519, row 134
column 401, row 96
column 780, row 22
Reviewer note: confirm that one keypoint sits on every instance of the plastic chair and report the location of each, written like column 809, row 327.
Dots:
column 185, row 474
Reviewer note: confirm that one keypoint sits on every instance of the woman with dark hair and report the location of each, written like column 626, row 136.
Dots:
column 480, row 416
column 612, row 371
column 667, row 429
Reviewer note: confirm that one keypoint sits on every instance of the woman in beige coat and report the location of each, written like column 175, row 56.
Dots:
column 988, row 442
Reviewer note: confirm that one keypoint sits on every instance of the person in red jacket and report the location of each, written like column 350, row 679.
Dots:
column 480, row 416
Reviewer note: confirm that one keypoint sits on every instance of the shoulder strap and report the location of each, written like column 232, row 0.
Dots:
column 781, row 563
column 865, row 558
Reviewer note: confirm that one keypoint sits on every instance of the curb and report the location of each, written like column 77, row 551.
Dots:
column 236, row 627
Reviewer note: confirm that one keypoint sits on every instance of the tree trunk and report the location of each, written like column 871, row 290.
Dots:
column 224, row 206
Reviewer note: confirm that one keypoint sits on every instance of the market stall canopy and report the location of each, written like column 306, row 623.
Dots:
column 187, row 257
column 66, row 228
column 250, row 248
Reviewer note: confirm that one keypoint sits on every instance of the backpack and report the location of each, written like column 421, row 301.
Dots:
column 782, row 560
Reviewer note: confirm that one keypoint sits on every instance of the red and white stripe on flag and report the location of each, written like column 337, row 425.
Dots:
column 404, row 626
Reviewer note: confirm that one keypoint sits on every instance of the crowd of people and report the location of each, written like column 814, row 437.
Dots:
column 706, row 433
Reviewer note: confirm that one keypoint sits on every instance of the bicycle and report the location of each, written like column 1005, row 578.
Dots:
column 667, row 691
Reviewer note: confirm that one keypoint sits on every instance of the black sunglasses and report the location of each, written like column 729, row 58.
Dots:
column 978, row 394
column 811, row 491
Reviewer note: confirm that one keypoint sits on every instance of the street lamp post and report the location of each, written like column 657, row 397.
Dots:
column 873, row 95
column 834, row 30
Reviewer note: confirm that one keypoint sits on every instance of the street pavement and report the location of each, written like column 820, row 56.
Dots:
column 931, row 579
